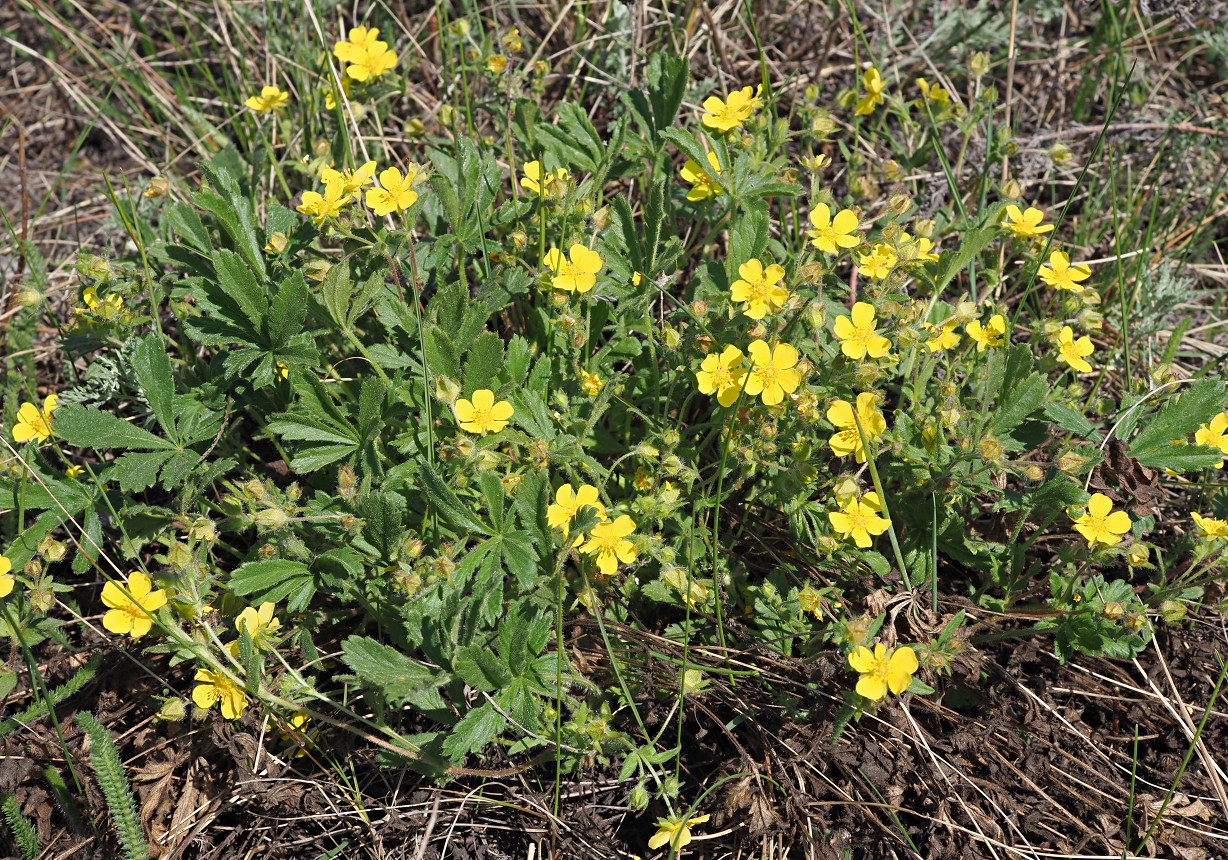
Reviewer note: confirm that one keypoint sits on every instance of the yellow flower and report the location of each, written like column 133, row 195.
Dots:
column 675, row 832
column 703, row 185
column 106, row 307
column 215, row 687
column 772, row 372
column 74, row 471
column 1060, row 274
column 857, row 334
column 33, row 423
column 608, row 541
column 883, row 670
column 591, row 383
column 722, row 375
column 1214, row 435
column 375, row 60
column 1074, row 352
column 874, row 85
column 352, row 180
column 270, row 99
column 829, row 235
column 281, row 370
column 360, row 38
column 847, row 440
column 811, row 601
column 1099, row 523
column 1025, row 224
column 859, row 519
column 496, row 64
column 576, row 272
column 396, row 192
column 7, row 580
column 991, row 334
column 330, row 96
column 321, row 207
column 759, row 288
column 933, row 92
column 482, row 414
column 131, row 613
column 728, row 115
column 543, row 184
column 942, row 335
column 925, row 250
column 567, row 503
column 1211, row 528
column 260, row 624
column 877, row 264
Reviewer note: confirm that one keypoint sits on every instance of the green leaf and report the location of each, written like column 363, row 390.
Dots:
column 1180, row 417
column 479, row 667
column 445, row 501
column 1068, row 419
column 951, row 263
column 275, row 580
column 240, row 285
column 1019, row 401
column 397, row 675
column 484, row 361
column 152, row 368
column 289, row 310
column 138, row 471
column 336, row 291
column 1181, row 458
column 91, row 428
column 478, row 728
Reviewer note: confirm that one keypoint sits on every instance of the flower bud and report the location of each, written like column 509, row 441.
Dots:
column 271, row 518
column 157, row 187
column 1070, row 463
column 991, row 448
column 172, row 711
column 179, row 557
column 978, row 64
column 638, row 799
column 277, row 242
column 1011, row 190
column 1138, row 553
column 1113, row 610
column 52, row 549
column 1173, row 611
column 1135, row 622
column 317, row 270
column 28, row 297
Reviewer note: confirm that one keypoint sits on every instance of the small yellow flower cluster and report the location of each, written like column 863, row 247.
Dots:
column 481, row 414
column 873, row 97
column 34, row 424
column 703, row 183
column 859, row 519
column 364, row 56
column 544, row 183
column 575, row 272
column 395, row 192
column 882, row 670
column 217, row 688
column 728, row 114
column 1214, row 434
column 771, row 375
column 608, row 541
column 1099, row 523
column 270, row 98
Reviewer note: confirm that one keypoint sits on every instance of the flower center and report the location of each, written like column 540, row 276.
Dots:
column 857, row 520
column 481, row 417
column 759, row 290
column 722, row 378
column 767, row 374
